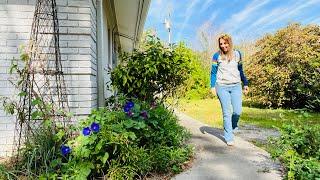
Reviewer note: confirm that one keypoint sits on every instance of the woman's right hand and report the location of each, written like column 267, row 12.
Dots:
column 213, row 91
column 246, row 90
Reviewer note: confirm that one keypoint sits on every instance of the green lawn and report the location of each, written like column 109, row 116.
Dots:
column 208, row 111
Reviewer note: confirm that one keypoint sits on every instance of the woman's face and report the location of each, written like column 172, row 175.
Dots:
column 224, row 45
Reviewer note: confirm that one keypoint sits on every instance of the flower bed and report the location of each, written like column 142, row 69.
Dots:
column 127, row 141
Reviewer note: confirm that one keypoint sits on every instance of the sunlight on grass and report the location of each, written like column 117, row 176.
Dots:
column 208, row 111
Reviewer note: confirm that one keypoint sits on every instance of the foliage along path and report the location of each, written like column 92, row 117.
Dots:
column 216, row 160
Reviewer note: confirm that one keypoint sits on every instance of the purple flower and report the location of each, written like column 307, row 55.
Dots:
column 86, row 131
column 130, row 113
column 144, row 114
column 153, row 105
column 95, row 127
column 65, row 150
column 130, row 104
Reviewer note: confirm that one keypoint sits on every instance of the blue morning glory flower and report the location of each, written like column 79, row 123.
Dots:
column 65, row 150
column 126, row 109
column 95, row 127
column 130, row 104
column 86, row 131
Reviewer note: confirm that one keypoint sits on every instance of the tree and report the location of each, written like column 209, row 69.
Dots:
column 284, row 71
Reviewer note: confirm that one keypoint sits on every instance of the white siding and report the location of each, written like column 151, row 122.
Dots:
column 77, row 20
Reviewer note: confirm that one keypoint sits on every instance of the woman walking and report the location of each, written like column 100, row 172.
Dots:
column 226, row 76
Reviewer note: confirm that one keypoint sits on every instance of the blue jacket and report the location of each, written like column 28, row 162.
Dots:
column 215, row 66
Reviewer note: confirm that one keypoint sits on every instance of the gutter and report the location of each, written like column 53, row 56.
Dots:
column 142, row 11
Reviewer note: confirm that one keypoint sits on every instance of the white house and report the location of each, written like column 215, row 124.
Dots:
column 92, row 32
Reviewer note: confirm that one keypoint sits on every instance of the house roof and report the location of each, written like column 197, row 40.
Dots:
column 130, row 16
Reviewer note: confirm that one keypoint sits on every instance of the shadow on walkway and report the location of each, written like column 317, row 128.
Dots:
column 215, row 160
column 213, row 131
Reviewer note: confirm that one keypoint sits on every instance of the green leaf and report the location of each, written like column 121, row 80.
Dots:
column 22, row 93
column 43, row 177
column 54, row 163
column 48, row 123
column 140, row 125
column 84, row 152
column 12, row 68
column 105, row 157
column 36, row 101
column 128, row 123
column 306, row 114
column 132, row 135
column 137, row 107
column 49, row 107
column 117, row 128
column 20, row 82
column 24, row 57
column 59, row 135
column 99, row 146
column 124, row 80
column 84, row 170
column 35, row 114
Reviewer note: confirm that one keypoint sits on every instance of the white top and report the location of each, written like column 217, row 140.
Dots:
column 228, row 72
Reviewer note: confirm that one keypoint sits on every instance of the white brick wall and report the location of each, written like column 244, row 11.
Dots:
column 13, row 21
column 77, row 20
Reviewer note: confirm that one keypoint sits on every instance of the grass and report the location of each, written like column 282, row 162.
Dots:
column 208, row 111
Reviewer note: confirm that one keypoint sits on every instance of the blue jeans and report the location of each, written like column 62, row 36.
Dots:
column 230, row 95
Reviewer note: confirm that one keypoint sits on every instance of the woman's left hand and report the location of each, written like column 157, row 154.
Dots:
column 245, row 90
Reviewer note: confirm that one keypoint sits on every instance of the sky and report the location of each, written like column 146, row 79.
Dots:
column 242, row 19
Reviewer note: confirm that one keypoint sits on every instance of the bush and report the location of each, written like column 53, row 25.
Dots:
column 298, row 148
column 152, row 70
column 198, row 85
column 284, row 72
column 125, row 141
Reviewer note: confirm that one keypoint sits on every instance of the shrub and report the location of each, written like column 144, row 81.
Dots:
column 124, row 141
column 152, row 70
column 197, row 86
column 284, row 72
column 298, row 148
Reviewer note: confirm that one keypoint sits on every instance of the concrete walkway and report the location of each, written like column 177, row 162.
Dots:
column 216, row 160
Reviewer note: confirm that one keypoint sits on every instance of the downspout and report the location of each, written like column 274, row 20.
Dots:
column 100, row 78
column 140, row 8
column 143, row 7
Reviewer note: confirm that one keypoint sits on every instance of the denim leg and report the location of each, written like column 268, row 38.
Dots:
column 225, row 101
column 236, row 101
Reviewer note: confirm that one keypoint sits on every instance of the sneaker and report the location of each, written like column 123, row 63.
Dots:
column 230, row 143
column 236, row 130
